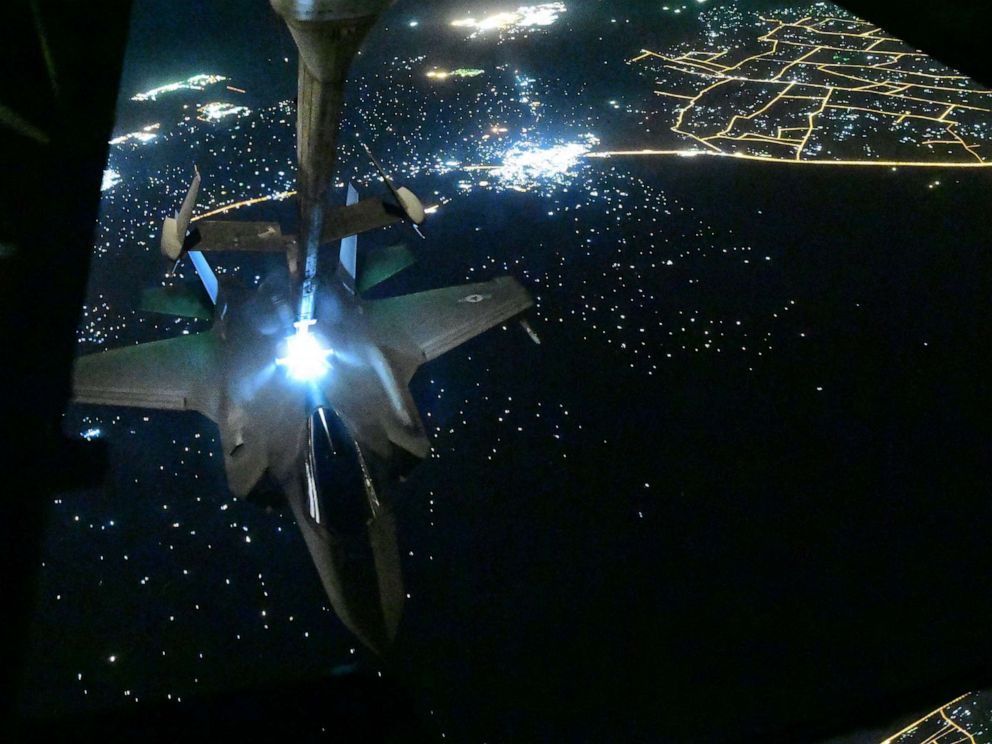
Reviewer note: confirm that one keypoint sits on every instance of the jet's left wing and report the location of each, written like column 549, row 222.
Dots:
column 441, row 319
column 231, row 235
column 175, row 374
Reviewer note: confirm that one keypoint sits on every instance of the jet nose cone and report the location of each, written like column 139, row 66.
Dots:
column 361, row 575
column 360, row 572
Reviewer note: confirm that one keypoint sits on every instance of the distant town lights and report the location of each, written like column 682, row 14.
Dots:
column 525, row 163
column 197, row 82
column 524, row 17
column 462, row 72
column 145, row 135
column 110, row 179
column 217, row 111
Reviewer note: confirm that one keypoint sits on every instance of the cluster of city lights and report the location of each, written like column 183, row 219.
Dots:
column 110, row 179
column 527, row 163
column 142, row 136
column 463, row 72
column 197, row 82
column 822, row 89
column 510, row 23
column 217, row 111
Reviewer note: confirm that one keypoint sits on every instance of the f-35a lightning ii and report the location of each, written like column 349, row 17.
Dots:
column 306, row 380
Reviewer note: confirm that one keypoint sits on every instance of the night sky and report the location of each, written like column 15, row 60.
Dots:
column 751, row 445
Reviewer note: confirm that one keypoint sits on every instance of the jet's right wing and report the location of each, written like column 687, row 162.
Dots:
column 175, row 374
column 441, row 319
column 359, row 217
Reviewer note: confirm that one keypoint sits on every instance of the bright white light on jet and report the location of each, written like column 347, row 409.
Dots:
column 306, row 359
column 527, row 163
column 523, row 19
column 90, row 434
column 110, row 179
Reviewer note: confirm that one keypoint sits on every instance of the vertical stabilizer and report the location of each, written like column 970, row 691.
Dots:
column 206, row 274
column 185, row 215
column 348, row 263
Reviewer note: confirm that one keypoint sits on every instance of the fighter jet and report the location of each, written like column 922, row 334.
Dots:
column 306, row 379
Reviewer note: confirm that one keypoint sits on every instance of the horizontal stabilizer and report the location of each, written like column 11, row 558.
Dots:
column 441, row 319
column 230, row 235
column 177, row 374
column 183, row 302
column 368, row 214
column 379, row 264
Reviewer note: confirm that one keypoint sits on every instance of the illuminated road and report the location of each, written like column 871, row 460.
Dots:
column 821, row 90
column 937, row 727
column 282, row 195
column 769, row 158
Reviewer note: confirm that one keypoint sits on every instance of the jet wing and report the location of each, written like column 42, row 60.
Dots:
column 441, row 319
column 232, row 235
column 171, row 375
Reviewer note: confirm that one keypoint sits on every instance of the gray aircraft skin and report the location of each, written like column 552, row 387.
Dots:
column 333, row 439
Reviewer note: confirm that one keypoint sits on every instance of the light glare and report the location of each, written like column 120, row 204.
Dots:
column 306, row 359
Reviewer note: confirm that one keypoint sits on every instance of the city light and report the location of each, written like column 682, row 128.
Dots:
column 217, row 111
column 197, row 82
column 463, row 72
column 804, row 94
column 527, row 163
column 524, row 18
column 110, row 179
column 306, row 360
column 143, row 136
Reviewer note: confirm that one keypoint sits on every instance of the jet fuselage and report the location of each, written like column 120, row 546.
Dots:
column 271, row 427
